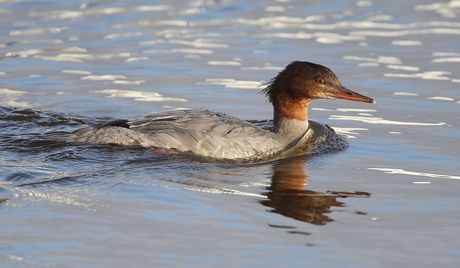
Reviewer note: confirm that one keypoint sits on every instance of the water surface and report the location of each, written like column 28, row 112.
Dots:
column 389, row 199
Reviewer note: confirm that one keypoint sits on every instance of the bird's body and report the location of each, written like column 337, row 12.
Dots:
column 223, row 137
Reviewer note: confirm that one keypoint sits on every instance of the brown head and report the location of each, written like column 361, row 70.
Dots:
column 294, row 87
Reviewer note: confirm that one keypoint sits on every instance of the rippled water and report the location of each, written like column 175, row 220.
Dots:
column 389, row 199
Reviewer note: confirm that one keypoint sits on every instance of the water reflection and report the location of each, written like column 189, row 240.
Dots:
column 287, row 194
column 4, row 195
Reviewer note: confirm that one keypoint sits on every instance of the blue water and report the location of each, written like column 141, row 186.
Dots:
column 388, row 200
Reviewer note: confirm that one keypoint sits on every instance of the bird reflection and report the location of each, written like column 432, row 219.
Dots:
column 287, row 194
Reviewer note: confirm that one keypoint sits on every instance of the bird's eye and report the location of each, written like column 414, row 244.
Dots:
column 320, row 81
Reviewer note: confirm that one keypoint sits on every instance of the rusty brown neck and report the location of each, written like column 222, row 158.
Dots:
column 289, row 110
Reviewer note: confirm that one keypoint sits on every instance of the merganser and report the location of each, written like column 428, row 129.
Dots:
column 222, row 137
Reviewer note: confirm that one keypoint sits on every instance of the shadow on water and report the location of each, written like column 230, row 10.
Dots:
column 286, row 195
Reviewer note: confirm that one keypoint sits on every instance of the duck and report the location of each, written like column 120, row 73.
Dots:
column 222, row 137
